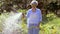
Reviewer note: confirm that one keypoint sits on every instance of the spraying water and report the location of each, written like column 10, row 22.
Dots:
column 11, row 24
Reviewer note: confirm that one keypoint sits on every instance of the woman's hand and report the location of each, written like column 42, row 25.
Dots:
column 38, row 25
column 23, row 15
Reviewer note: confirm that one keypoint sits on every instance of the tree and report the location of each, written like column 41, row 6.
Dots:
column 8, row 5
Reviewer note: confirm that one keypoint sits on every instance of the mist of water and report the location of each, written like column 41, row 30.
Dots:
column 11, row 24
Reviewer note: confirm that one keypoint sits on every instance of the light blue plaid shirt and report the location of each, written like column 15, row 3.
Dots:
column 34, row 17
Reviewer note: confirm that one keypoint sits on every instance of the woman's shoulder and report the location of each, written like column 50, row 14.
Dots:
column 29, row 10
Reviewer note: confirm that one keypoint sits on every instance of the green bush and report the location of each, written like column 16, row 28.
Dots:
column 51, row 24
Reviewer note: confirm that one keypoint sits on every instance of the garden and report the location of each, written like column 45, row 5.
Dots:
column 50, row 15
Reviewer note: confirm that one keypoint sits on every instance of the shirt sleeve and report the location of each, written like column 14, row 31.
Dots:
column 28, row 12
column 40, row 15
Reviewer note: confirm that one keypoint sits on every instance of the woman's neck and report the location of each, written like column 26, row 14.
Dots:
column 33, row 9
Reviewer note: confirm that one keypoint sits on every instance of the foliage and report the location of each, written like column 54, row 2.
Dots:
column 52, row 6
column 11, row 5
column 52, row 25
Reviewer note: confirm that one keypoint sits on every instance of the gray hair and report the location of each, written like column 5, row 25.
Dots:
column 34, row 2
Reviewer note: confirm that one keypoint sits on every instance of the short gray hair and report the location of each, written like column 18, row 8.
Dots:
column 34, row 2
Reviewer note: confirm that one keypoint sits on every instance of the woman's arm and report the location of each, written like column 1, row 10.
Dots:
column 40, row 17
column 25, row 15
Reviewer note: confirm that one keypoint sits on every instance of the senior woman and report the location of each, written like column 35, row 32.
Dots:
column 34, row 17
